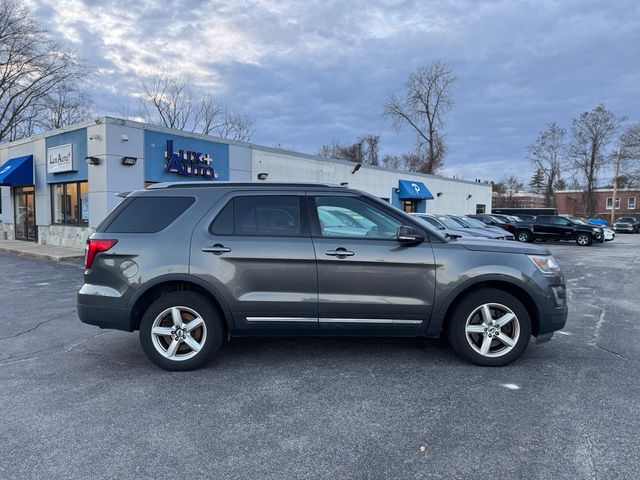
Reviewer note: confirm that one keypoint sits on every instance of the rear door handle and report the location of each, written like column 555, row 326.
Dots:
column 339, row 252
column 217, row 249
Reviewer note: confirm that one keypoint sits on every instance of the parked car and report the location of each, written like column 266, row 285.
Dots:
column 627, row 224
column 483, row 231
column 437, row 224
column 192, row 264
column 523, row 217
column 598, row 221
column 556, row 227
column 609, row 235
column 489, row 220
column 506, row 218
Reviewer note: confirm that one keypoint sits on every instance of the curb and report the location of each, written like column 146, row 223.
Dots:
column 43, row 256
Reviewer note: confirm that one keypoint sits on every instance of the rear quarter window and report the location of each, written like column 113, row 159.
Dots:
column 146, row 214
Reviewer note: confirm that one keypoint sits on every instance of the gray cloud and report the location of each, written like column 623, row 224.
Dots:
column 313, row 71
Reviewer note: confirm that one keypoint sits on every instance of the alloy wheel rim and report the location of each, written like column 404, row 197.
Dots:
column 178, row 333
column 523, row 237
column 582, row 240
column 492, row 330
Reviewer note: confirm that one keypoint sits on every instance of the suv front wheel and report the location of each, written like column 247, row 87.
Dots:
column 583, row 239
column 489, row 327
column 180, row 331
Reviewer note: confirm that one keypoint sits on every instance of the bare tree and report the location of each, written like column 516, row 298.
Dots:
column 364, row 150
column 33, row 71
column 423, row 106
column 66, row 105
column 170, row 101
column 630, row 154
column 592, row 132
column 548, row 154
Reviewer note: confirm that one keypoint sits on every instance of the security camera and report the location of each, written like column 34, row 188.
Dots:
column 124, row 138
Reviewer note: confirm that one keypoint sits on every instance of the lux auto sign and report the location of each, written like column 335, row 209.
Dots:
column 188, row 163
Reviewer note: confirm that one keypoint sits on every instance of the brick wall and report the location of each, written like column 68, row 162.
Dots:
column 572, row 203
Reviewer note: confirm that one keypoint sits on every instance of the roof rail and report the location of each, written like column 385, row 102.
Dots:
column 239, row 184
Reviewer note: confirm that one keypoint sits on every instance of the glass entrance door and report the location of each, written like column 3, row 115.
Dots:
column 25, row 213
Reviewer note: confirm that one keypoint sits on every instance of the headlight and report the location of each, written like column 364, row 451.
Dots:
column 545, row 263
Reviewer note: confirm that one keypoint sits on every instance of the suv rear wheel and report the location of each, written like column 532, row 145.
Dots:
column 489, row 327
column 181, row 331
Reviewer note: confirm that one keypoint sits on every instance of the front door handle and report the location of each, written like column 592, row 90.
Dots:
column 339, row 252
column 217, row 249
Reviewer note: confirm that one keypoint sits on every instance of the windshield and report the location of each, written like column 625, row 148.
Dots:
column 459, row 222
column 449, row 223
column 579, row 221
column 626, row 219
column 472, row 222
column 431, row 221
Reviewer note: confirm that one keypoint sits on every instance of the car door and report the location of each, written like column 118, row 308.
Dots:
column 257, row 251
column 543, row 227
column 564, row 228
column 368, row 282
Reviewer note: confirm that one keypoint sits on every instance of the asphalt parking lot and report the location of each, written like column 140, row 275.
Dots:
column 78, row 402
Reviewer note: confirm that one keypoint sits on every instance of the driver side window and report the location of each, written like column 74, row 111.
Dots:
column 351, row 217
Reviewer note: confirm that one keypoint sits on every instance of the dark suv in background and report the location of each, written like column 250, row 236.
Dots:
column 556, row 227
column 191, row 264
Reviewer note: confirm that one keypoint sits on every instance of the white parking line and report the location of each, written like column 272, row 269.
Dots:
column 564, row 333
column 43, row 283
column 511, row 386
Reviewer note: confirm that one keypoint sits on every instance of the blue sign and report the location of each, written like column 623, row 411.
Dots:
column 410, row 190
column 171, row 158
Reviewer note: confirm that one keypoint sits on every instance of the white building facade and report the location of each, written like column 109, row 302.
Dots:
column 56, row 187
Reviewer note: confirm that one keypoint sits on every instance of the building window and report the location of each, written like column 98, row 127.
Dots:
column 631, row 203
column 481, row 208
column 70, row 203
column 609, row 201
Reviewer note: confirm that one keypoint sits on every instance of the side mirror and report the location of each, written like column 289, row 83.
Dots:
column 407, row 234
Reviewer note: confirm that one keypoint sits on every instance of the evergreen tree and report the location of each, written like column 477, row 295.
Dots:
column 537, row 182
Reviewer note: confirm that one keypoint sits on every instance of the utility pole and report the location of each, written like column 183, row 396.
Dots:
column 616, row 169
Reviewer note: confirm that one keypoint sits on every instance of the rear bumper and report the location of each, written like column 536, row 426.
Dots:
column 103, row 316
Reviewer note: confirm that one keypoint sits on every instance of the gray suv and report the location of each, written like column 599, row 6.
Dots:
column 190, row 264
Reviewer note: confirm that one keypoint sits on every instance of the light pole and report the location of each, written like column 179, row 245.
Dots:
column 616, row 170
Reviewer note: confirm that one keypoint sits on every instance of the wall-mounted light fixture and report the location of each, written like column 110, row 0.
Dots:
column 439, row 194
column 95, row 136
column 262, row 176
column 344, row 184
column 129, row 161
column 469, row 196
column 92, row 160
column 357, row 167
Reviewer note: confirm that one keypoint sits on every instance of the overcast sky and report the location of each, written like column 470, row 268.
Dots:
column 312, row 71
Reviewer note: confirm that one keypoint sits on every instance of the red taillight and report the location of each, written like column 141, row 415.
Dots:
column 94, row 247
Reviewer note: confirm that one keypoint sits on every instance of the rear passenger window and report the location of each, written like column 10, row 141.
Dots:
column 148, row 214
column 268, row 215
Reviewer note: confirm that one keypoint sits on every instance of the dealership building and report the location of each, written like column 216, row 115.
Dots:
column 57, row 186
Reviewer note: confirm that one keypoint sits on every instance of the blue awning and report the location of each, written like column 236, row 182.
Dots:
column 17, row 171
column 409, row 190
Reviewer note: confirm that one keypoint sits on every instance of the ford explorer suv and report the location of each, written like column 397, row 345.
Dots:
column 190, row 265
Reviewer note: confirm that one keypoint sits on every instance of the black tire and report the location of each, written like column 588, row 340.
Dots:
column 212, row 332
column 584, row 239
column 524, row 236
column 465, row 307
